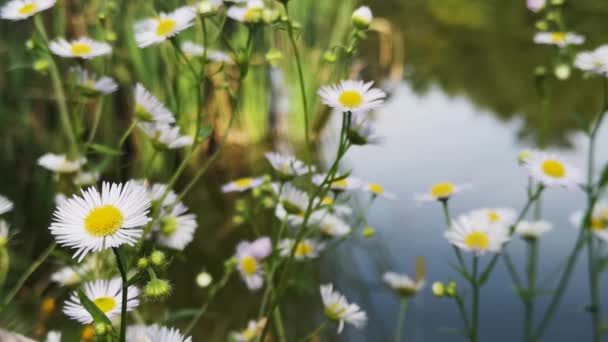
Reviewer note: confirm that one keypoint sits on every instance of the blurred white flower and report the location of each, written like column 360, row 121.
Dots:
column 59, row 163
column 441, row 192
column 243, row 184
column 152, row 31
column 149, row 109
column 402, row 284
column 23, row 9
column 338, row 309
column 352, row 96
column 551, row 171
column 83, row 47
column 532, row 230
column 560, row 39
column 176, row 228
column 595, row 62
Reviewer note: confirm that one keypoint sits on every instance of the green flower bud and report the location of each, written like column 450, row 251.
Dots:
column 157, row 289
column 204, row 279
column 29, row 44
column 111, row 36
column 142, row 263
column 101, row 329
column 451, row 289
column 274, row 56
column 330, row 57
column 541, row 25
column 238, row 219
column 438, row 289
column 562, row 71
column 41, row 65
column 268, row 202
column 158, row 258
column 368, row 232
column 362, row 17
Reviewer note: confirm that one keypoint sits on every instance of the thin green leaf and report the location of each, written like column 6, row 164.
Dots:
column 98, row 315
column 604, row 177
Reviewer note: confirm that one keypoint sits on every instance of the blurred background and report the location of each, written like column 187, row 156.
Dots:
column 462, row 104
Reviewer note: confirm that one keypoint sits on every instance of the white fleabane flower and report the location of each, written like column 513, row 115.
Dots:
column 249, row 256
column 552, row 171
column 532, row 230
column 59, row 163
column 95, row 220
column 156, row 30
column 164, row 136
column 560, row 39
column 252, row 332
column 83, row 47
column 243, row 184
column 342, row 184
column 23, row 9
column 177, row 228
column 498, row 217
column 250, row 13
column 475, row 235
column 329, row 224
column 149, row 109
column 154, row 333
column 352, row 96
column 378, row 190
column 53, row 336
column 306, row 249
column 106, row 295
column 292, row 204
column 338, row 309
column 441, row 192
column 535, row 5
column 286, row 166
column 86, row 178
column 71, row 275
column 362, row 131
column 339, row 209
column 192, row 49
column 209, row 7
column 595, row 62
column 91, row 85
column 6, row 205
column 599, row 219
column 402, row 284
column 362, row 17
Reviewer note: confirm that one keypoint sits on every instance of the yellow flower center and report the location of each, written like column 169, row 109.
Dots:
column 249, row 265
column 350, row 99
column 169, row 226
column 165, row 26
column 303, row 249
column 249, row 334
column 252, row 14
column 105, row 304
column 442, row 190
column 376, row 188
column 558, row 37
column 103, row 221
column 598, row 224
column 493, row 216
column 327, row 200
column 243, row 183
column 334, row 311
column 553, row 168
column 477, row 240
column 27, row 9
column 80, row 49
column 341, row 183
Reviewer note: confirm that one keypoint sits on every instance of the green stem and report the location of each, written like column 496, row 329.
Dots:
column 125, row 295
column 475, row 309
column 33, row 267
column 463, row 312
column 401, row 319
column 448, row 223
column 96, row 120
column 125, row 135
column 532, row 246
column 314, row 333
column 278, row 324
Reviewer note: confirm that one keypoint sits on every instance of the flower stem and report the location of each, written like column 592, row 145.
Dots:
column 125, row 295
column 401, row 319
column 314, row 333
column 532, row 247
column 475, row 310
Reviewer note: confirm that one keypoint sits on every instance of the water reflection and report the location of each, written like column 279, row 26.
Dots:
column 435, row 137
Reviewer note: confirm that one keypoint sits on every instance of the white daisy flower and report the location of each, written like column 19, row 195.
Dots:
column 249, row 256
column 177, row 228
column 595, row 62
column 362, row 131
column 6, row 205
column 164, row 136
column 154, row 333
column 59, row 163
column 292, row 204
column 362, row 17
column 441, row 192
column 552, row 171
column 474, row 235
column 83, row 47
column 338, row 309
column 96, row 221
column 86, row 178
column 286, row 166
column 149, row 109
column 560, row 39
column 496, row 217
column 402, row 284
column 352, row 96
column 252, row 332
column 106, row 294
column 532, row 230
column 195, row 50
column 331, row 206
column 90, row 85
column 599, row 220
column 526, row 155
column 536, row 5
column 243, row 184
column 4, row 233
column 23, row 9
column 306, row 249
column 67, row 276
column 209, row 7
column 342, row 184
column 156, row 30
column 378, row 190
column 330, row 225
column 157, row 190
column 250, row 13
column 53, row 336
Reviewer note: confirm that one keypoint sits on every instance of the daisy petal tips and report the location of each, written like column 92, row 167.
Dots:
column 156, row 30
column 352, row 96
column 95, row 220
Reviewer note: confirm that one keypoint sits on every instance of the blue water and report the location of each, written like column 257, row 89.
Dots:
column 432, row 138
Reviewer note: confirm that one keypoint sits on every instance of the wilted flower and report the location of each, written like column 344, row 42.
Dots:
column 84, row 47
column 156, row 30
column 338, row 309
column 352, row 96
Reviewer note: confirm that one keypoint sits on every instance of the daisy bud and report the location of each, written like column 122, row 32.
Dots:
column 111, row 36
column 238, row 219
column 451, row 289
column 274, row 56
column 362, row 18
column 206, row 8
column 41, row 65
column 203, row 279
column 101, row 329
column 542, row 25
column 368, row 232
column 142, row 263
column 158, row 258
column 157, row 289
column 330, row 57
column 268, row 202
column 29, row 44
column 438, row 289
column 562, row 71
